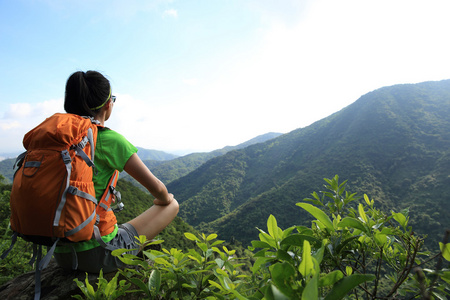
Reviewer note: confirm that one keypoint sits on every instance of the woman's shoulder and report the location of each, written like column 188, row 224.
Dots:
column 112, row 138
column 109, row 133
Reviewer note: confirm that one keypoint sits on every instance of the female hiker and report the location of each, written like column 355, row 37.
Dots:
column 89, row 94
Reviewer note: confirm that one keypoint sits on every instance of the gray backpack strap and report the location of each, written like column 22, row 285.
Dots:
column 13, row 242
column 41, row 264
column 81, row 226
column 68, row 163
column 18, row 163
column 74, row 258
column 37, row 274
column 80, row 146
column 33, row 257
column 102, row 243
column 74, row 191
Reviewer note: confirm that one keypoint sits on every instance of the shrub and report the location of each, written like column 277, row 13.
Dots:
column 352, row 250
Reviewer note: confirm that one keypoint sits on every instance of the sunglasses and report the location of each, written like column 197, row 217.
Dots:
column 113, row 98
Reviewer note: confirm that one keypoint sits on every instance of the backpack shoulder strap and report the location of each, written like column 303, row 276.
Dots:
column 18, row 163
column 13, row 242
column 111, row 191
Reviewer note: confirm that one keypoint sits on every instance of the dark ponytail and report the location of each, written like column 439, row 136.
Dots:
column 85, row 91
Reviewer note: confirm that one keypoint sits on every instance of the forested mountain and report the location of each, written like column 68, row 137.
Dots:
column 173, row 169
column 6, row 168
column 392, row 144
column 147, row 154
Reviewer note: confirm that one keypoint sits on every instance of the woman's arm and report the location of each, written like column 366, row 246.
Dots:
column 139, row 171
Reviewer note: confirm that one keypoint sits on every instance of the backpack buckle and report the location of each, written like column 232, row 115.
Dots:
column 66, row 157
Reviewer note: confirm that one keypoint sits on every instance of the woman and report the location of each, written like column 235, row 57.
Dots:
column 89, row 94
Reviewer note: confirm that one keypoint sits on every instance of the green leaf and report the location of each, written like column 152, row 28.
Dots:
column 283, row 255
column 362, row 213
column 400, row 218
column 211, row 237
column 272, row 227
column 219, row 262
column 297, row 240
column 346, row 284
column 217, row 243
column 162, row 261
column 348, row 270
column 445, row 250
column 352, row 223
column 259, row 262
column 260, row 244
column 319, row 254
column 119, row 252
column 264, row 237
column 345, row 243
column 331, row 278
column 141, row 239
column 215, row 284
column 380, row 238
column 311, row 290
column 202, row 246
column 318, row 214
column 237, row 295
column 306, row 266
column 140, row 284
column 191, row 237
column 281, row 276
column 273, row 293
column 194, row 258
column 445, row 276
column 155, row 242
column 89, row 287
column 111, row 286
column 154, row 281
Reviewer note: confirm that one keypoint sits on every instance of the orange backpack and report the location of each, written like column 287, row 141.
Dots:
column 53, row 196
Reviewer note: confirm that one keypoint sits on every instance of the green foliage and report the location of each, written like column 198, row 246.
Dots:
column 209, row 272
column 349, row 252
column 16, row 263
column 105, row 290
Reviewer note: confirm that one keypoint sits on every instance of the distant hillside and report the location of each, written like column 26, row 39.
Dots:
column 168, row 171
column 6, row 169
column 146, row 154
column 392, row 143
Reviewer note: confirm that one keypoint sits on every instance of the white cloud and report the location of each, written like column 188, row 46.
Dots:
column 18, row 110
column 8, row 125
column 170, row 13
column 19, row 118
column 190, row 81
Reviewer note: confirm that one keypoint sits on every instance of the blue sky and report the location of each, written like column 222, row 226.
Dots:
column 200, row 75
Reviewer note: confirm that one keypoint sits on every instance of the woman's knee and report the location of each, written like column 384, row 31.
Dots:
column 174, row 204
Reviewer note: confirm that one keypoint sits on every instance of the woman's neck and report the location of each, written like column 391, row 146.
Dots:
column 101, row 118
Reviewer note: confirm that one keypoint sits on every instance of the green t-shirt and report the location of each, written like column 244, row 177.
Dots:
column 111, row 153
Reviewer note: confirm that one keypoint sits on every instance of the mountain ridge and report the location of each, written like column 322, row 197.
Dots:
column 386, row 144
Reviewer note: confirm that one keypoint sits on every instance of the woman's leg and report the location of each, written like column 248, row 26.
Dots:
column 151, row 222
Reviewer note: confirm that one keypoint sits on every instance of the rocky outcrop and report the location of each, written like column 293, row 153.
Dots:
column 56, row 283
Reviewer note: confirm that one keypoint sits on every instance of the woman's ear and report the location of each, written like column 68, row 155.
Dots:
column 108, row 104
